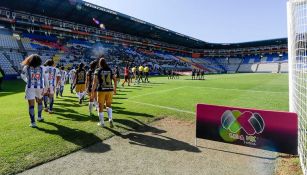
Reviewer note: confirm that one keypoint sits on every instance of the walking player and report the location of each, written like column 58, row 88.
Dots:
column 35, row 76
column 103, row 84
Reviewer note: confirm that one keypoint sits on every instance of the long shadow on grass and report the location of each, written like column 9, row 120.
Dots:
column 135, row 124
column 76, row 136
column 156, row 142
column 69, row 114
column 249, row 155
column 119, row 110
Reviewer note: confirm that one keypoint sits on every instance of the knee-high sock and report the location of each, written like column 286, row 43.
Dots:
column 46, row 101
column 57, row 92
column 109, row 110
column 100, row 114
column 96, row 104
column 51, row 100
column 90, row 106
column 61, row 90
column 32, row 114
column 40, row 109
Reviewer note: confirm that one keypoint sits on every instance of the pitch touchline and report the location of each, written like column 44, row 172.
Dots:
column 236, row 89
column 164, row 107
column 157, row 92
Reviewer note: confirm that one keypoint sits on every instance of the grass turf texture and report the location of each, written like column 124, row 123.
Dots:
column 71, row 129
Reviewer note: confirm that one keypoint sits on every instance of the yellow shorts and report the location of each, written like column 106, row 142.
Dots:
column 80, row 87
column 105, row 98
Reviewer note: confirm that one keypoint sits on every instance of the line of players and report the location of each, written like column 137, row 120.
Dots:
column 44, row 80
column 198, row 74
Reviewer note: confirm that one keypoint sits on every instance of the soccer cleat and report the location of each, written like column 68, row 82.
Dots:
column 33, row 125
column 50, row 112
column 111, row 124
column 101, row 124
column 40, row 119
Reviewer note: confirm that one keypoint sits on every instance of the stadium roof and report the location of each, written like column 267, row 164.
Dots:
column 82, row 12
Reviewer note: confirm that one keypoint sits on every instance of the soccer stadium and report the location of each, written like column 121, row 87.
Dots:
column 108, row 93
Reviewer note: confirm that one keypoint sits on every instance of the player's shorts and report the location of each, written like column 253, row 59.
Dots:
column 105, row 97
column 80, row 88
column 141, row 73
column 32, row 93
column 49, row 90
column 147, row 74
column 127, row 77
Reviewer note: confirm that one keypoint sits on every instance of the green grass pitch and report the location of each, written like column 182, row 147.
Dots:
column 71, row 129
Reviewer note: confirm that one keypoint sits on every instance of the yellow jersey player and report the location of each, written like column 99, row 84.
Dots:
column 80, row 82
column 146, row 72
column 105, row 90
column 89, row 85
column 141, row 69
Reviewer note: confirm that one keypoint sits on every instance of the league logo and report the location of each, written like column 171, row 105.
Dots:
column 250, row 123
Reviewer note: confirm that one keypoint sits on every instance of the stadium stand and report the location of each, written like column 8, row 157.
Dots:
column 69, row 41
column 6, row 65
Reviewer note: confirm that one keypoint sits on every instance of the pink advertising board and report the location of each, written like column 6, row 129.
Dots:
column 263, row 129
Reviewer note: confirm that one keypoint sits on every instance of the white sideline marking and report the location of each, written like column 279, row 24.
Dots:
column 236, row 89
column 157, row 92
column 164, row 107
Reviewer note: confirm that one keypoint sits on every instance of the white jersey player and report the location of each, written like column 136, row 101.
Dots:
column 34, row 75
column 72, row 75
column 60, row 89
column 53, row 81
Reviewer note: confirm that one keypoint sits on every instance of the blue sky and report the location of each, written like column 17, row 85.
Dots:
column 217, row 21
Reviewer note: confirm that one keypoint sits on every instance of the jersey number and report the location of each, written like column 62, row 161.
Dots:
column 36, row 76
column 106, row 79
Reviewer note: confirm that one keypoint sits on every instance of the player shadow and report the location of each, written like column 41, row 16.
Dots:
column 72, row 115
column 119, row 98
column 71, row 104
column 3, row 94
column 120, row 94
column 66, row 99
column 77, row 137
column 242, row 154
column 156, row 142
column 135, row 124
column 116, row 103
column 119, row 110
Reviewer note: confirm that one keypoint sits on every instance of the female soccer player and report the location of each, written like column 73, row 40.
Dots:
column 35, row 76
column 117, row 74
column 53, row 81
column 72, row 74
column 60, row 88
column 89, row 83
column 80, row 82
column 103, row 84
column 127, row 76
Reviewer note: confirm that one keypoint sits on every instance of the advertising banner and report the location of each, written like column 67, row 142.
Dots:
column 263, row 129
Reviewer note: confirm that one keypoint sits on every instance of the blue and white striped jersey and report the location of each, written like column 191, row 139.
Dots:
column 52, row 73
column 34, row 77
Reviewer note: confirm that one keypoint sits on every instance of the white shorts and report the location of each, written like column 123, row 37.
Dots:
column 32, row 93
column 50, row 90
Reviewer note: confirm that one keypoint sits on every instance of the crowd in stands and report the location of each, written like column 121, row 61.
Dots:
column 70, row 52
